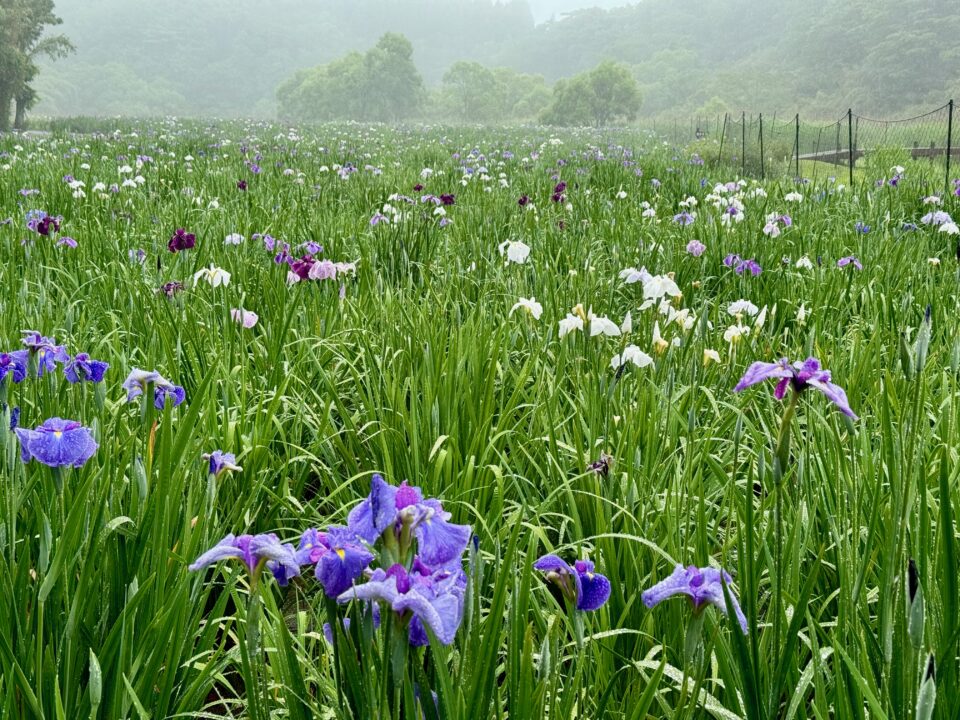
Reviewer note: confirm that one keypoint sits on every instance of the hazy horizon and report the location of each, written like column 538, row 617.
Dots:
column 544, row 10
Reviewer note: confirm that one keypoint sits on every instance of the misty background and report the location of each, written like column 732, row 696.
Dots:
column 229, row 57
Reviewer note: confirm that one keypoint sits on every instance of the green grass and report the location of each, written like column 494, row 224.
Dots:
column 420, row 373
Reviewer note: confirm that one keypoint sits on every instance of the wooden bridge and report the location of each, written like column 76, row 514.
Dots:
column 841, row 156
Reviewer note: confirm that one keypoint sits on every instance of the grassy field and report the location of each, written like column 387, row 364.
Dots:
column 414, row 363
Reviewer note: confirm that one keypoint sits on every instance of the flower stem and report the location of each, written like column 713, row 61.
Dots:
column 781, row 455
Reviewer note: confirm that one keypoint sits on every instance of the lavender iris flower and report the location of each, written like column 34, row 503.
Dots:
column 696, row 248
column 254, row 551
column 800, row 376
column 391, row 508
column 850, row 260
column 163, row 390
column 684, row 218
column 14, row 416
column 752, row 265
column 220, row 462
column 339, row 558
column 704, row 586
column 14, row 365
column 81, row 368
column 590, row 590
column 57, row 443
column 45, row 350
column 425, row 597
column 168, row 393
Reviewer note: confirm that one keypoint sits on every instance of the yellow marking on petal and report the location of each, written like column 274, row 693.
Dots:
column 340, row 553
column 57, row 433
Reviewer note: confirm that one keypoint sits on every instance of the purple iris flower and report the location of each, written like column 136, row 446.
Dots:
column 340, row 567
column 684, row 218
column 138, row 381
column 862, row 228
column 45, row 350
column 339, row 558
column 696, row 248
column 254, row 551
column 241, row 184
column 590, row 590
column 14, row 365
column 171, row 288
column 14, row 416
column 850, row 260
column 448, row 199
column 57, row 443
column 181, row 240
column 302, row 266
column 800, row 376
column 390, row 508
column 220, row 462
column 81, row 368
column 39, row 222
column 427, row 598
column 704, row 586
column 163, row 394
column 740, row 265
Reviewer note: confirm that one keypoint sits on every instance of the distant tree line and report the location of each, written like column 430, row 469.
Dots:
column 888, row 58
column 22, row 25
column 384, row 85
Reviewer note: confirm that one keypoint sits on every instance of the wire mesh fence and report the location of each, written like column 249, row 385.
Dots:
column 853, row 148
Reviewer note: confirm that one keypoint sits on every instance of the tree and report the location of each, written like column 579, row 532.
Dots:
column 606, row 94
column 22, row 25
column 382, row 85
column 393, row 87
column 613, row 93
column 471, row 89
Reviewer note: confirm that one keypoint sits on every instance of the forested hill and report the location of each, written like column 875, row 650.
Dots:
column 227, row 57
column 881, row 56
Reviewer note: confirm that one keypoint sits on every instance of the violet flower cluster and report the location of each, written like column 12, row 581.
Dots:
column 420, row 577
column 740, row 265
column 307, row 266
column 41, row 357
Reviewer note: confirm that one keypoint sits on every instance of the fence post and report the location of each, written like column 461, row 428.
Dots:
column 743, row 143
column 723, row 135
column 850, row 143
column 762, row 167
column 796, row 144
column 949, row 140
